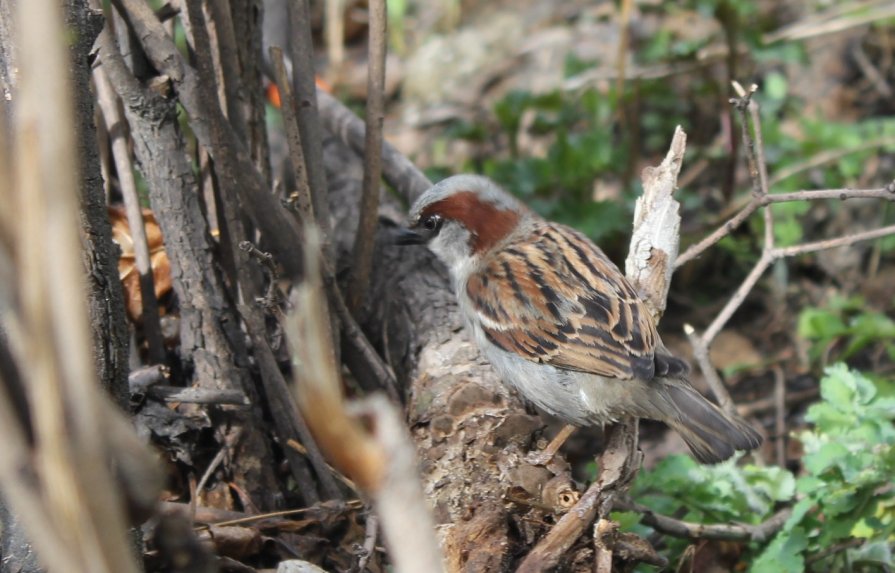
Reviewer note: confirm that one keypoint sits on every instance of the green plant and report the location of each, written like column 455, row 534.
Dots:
column 843, row 502
column 846, row 326
column 846, row 492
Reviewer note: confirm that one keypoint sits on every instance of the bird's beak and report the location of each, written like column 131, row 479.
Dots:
column 406, row 236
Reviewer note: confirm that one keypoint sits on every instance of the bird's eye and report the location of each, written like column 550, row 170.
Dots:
column 431, row 223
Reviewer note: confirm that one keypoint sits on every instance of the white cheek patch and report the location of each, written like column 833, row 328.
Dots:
column 451, row 246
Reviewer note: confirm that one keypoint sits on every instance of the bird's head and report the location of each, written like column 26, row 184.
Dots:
column 462, row 218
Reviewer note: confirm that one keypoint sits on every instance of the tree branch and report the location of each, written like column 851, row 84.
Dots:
column 717, row 531
column 369, row 209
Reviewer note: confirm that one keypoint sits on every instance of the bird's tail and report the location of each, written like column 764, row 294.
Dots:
column 712, row 434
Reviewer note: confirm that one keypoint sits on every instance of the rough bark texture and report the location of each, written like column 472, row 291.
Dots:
column 211, row 342
column 105, row 295
column 16, row 553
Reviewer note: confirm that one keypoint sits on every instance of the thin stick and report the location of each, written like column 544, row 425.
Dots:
column 367, row 441
column 371, row 532
column 621, row 55
column 701, row 354
column 717, row 531
column 833, row 243
column 228, row 69
column 293, row 135
column 738, row 297
column 373, row 364
column 305, row 91
column 215, row 462
column 108, row 102
column 761, row 197
column 727, row 228
column 369, row 206
column 605, row 537
column 763, row 404
column 886, row 193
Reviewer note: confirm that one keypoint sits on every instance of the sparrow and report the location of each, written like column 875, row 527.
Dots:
column 559, row 321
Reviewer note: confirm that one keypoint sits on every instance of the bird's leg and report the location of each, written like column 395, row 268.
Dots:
column 545, row 456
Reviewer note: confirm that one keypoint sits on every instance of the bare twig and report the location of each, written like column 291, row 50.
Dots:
column 833, row 243
column 755, row 153
column 870, row 72
column 217, row 136
column 227, row 70
column 701, row 354
column 828, row 157
column 694, row 251
column 770, row 403
column 621, row 55
column 887, row 193
column 835, row 19
column 364, row 362
column 212, row 466
column 198, row 395
column 717, row 531
column 108, row 102
column 371, row 532
column 369, row 206
column 835, row 548
column 305, row 91
column 293, row 135
column 366, row 441
column 605, row 538
column 271, row 298
column 288, row 419
column 761, row 197
column 763, row 263
column 222, row 518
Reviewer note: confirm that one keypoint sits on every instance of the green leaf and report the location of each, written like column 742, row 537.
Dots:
column 815, row 323
column 784, row 554
column 775, row 85
column 778, row 484
column 829, row 455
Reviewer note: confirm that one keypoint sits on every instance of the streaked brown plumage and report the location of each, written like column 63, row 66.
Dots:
column 559, row 320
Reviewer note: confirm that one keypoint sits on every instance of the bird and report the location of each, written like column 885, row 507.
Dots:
column 559, row 321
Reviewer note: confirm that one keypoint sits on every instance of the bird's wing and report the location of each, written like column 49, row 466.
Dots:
column 555, row 298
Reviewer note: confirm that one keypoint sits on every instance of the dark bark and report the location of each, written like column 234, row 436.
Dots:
column 105, row 294
column 217, row 137
column 211, row 342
